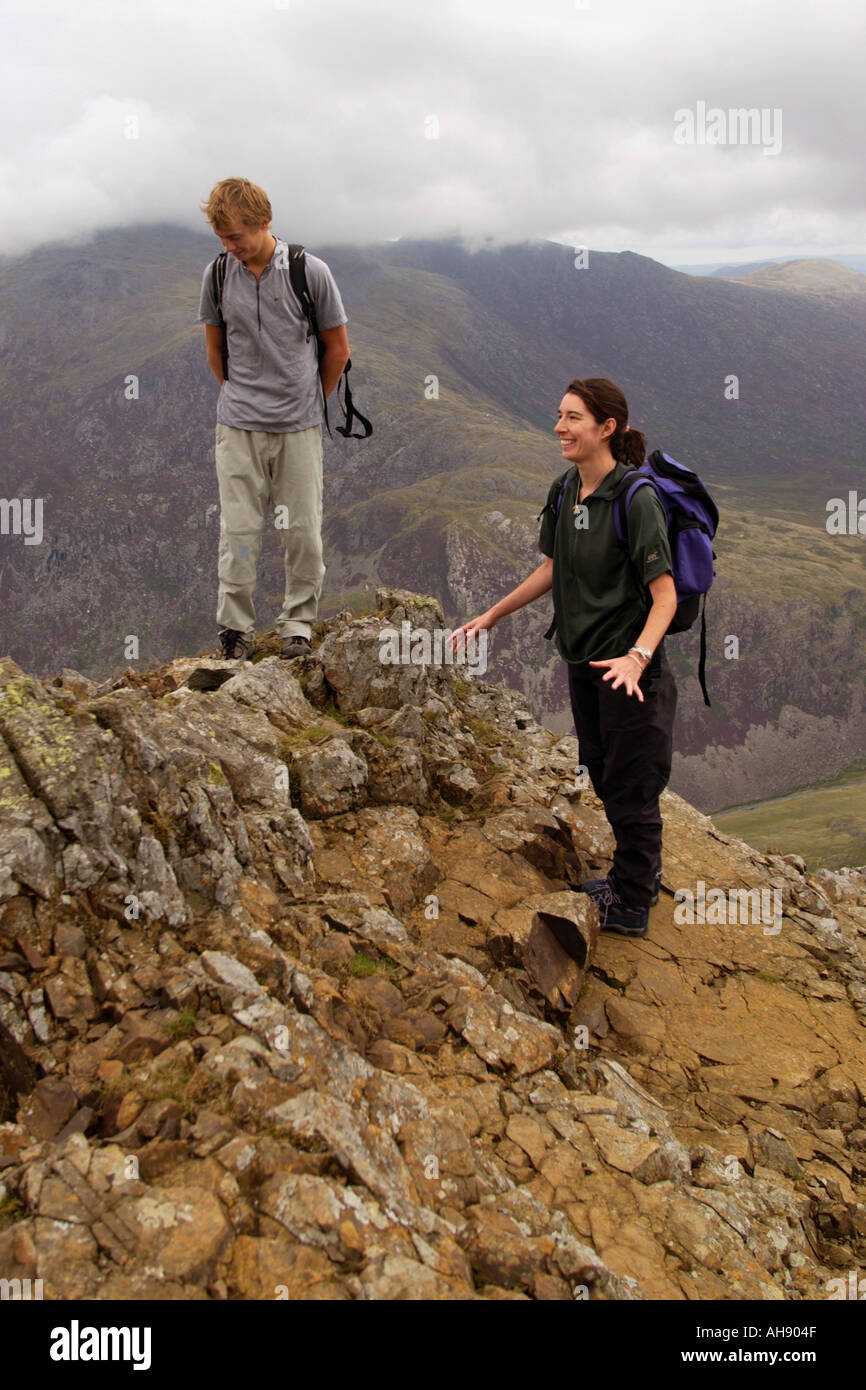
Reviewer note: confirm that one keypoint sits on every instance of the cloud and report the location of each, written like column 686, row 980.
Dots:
column 370, row 120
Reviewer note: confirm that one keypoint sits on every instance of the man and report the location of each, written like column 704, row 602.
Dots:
column 269, row 415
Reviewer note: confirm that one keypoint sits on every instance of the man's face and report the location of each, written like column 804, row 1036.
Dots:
column 245, row 243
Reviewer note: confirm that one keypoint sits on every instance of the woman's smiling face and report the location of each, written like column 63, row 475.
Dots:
column 577, row 429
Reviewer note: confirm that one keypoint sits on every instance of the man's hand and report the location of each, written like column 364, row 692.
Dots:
column 623, row 671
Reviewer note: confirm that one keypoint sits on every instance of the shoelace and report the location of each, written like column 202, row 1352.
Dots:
column 605, row 896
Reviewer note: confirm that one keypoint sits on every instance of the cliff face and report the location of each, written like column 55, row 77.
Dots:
column 284, row 1010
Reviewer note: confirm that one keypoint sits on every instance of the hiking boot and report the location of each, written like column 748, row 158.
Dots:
column 615, row 916
column 595, row 885
column 236, row 646
column 295, row 646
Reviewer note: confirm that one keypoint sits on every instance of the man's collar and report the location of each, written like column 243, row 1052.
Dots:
column 269, row 262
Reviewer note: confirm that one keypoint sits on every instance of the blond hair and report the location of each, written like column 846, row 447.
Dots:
column 237, row 198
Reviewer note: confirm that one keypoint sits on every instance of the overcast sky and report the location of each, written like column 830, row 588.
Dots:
column 550, row 118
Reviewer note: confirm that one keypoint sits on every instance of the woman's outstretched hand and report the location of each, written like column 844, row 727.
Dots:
column 461, row 634
column 623, row 671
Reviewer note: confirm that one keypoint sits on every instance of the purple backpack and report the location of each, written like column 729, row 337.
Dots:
column 692, row 518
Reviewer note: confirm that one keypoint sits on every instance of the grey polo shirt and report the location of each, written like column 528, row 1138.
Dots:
column 600, row 594
column 273, row 382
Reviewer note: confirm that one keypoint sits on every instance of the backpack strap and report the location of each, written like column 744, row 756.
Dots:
column 298, row 280
column 622, row 504
column 557, row 507
column 563, row 484
column 349, row 410
column 620, row 500
column 702, row 663
column 217, row 280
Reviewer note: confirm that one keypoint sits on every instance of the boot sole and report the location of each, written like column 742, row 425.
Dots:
column 625, row 931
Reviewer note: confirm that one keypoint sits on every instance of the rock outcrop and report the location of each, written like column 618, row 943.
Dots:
column 297, row 1000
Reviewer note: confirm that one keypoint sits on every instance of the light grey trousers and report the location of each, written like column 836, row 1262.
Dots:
column 255, row 469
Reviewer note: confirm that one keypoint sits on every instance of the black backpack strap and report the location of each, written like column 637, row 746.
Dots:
column 217, row 280
column 561, row 484
column 298, row 280
column 349, row 410
column 702, row 664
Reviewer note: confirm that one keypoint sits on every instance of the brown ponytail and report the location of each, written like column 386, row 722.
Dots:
column 605, row 401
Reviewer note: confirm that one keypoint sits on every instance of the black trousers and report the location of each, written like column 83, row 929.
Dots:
column 627, row 747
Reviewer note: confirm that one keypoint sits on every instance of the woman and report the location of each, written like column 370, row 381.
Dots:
column 611, row 611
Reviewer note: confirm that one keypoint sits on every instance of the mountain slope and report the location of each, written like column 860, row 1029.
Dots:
column 812, row 276
column 447, row 490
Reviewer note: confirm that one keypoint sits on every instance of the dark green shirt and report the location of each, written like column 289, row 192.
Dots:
column 600, row 594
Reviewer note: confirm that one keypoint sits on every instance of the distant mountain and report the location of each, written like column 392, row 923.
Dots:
column 719, row 268
column 724, row 271
column 811, row 276
column 444, row 496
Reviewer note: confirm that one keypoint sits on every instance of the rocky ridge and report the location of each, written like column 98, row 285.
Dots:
column 285, row 1009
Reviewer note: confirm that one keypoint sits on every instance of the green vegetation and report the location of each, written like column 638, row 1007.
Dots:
column 364, row 964
column 313, row 733
column 610, row 980
column 826, row 824
column 331, row 710
column 357, row 601
column 385, row 740
column 182, row 1026
column 486, row 733
column 11, row 1210
column 165, row 828
column 294, row 785
column 189, row 1089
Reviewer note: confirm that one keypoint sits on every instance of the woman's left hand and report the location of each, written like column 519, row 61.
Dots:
column 623, row 671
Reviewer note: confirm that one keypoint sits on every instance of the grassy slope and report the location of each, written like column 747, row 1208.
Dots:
column 825, row 824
